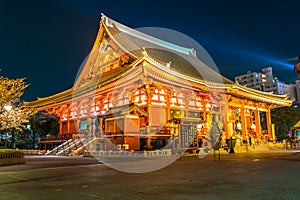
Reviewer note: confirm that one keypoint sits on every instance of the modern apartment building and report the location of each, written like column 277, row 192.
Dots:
column 254, row 80
column 265, row 81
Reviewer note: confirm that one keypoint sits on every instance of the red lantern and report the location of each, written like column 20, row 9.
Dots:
column 297, row 68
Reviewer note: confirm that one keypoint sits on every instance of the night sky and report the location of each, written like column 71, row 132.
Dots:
column 46, row 41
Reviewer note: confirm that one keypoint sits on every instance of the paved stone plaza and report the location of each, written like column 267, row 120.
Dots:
column 259, row 175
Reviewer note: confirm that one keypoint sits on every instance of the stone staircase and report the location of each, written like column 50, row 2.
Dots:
column 258, row 147
column 69, row 146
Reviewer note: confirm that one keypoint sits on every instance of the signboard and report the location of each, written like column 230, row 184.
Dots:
column 188, row 136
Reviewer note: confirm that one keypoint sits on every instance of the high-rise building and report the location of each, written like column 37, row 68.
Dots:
column 252, row 80
column 268, row 74
column 265, row 81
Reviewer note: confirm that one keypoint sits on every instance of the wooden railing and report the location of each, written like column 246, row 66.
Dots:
column 160, row 130
column 33, row 152
column 59, row 137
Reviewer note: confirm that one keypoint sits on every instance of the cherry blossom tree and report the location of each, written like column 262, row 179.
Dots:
column 13, row 114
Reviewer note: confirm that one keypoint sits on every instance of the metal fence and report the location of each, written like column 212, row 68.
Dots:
column 9, row 155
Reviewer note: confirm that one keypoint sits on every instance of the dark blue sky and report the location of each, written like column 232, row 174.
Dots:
column 46, row 41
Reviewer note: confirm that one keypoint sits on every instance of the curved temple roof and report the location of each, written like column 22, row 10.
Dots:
column 181, row 59
column 177, row 59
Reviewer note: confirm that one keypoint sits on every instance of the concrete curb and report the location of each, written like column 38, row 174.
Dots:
column 12, row 161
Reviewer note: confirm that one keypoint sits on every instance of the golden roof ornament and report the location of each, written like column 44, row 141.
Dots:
column 106, row 20
column 144, row 52
column 168, row 65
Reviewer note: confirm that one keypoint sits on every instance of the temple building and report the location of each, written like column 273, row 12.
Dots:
column 138, row 92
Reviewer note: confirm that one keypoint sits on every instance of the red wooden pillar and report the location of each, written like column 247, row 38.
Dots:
column 269, row 125
column 257, row 123
column 101, row 127
column 148, row 142
column 244, row 123
column 60, row 127
column 226, row 122
column 68, row 126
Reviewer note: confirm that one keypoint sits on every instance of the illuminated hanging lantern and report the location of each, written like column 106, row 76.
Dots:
column 238, row 126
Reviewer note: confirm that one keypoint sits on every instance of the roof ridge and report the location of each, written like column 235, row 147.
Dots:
column 149, row 38
column 271, row 94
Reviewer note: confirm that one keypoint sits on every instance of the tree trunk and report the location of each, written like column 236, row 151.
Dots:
column 12, row 143
column 32, row 132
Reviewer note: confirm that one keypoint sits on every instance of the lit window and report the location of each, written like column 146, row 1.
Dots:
column 162, row 91
column 143, row 97
column 83, row 124
column 173, row 100
column 155, row 97
column 180, row 101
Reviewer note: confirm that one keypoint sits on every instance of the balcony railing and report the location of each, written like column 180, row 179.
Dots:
column 59, row 137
